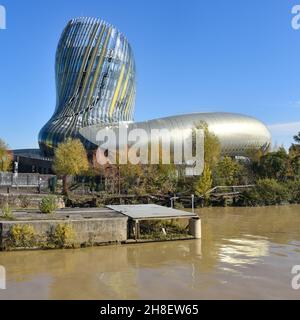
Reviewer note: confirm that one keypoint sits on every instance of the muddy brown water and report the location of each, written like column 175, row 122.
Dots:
column 245, row 253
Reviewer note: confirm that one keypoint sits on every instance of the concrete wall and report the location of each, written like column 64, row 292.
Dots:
column 87, row 231
column 26, row 200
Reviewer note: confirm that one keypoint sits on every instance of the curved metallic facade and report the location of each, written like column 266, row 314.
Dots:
column 95, row 81
column 237, row 133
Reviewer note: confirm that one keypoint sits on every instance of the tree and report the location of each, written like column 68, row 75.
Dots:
column 204, row 183
column 70, row 159
column 255, row 154
column 294, row 150
column 212, row 146
column 227, row 172
column 131, row 177
column 157, row 179
column 5, row 157
column 295, row 167
column 164, row 177
column 274, row 165
column 141, row 179
column 266, row 192
column 297, row 138
column 294, row 155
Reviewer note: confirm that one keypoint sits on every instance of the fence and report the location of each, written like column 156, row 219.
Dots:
column 23, row 180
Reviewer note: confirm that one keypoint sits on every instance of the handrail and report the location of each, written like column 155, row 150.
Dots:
column 229, row 187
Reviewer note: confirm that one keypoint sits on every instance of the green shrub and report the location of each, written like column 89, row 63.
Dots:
column 48, row 204
column 178, row 205
column 63, row 236
column 7, row 212
column 266, row 192
column 22, row 236
column 81, row 201
column 294, row 191
column 101, row 200
column 24, row 201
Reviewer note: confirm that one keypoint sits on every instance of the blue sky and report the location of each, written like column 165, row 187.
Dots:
column 191, row 56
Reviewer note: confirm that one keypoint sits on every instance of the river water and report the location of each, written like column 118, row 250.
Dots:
column 245, row 253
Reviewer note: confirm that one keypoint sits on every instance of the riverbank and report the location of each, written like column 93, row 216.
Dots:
column 77, row 228
column 65, row 228
column 245, row 253
column 264, row 193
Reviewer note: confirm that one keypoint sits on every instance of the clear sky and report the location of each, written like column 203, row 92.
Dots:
column 191, row 56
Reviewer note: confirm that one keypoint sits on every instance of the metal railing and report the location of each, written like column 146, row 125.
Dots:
column 23, row 180
column 233, row 189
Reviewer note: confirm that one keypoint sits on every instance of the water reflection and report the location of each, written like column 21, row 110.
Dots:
column 113, row 272
column 244, row 253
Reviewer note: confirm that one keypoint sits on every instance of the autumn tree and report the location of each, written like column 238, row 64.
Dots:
column 212, row 146
column 70, row 160
column 5, row 157
column 204, row 183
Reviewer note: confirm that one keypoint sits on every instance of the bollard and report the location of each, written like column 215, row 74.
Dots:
column 195, row 227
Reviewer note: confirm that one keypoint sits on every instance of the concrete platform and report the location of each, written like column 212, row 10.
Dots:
column 67, row 214
column 90, row 227
column 151, row 211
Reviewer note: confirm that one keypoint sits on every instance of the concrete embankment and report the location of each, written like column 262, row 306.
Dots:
column 26, row 200
column 68, row 228
column 74, row 228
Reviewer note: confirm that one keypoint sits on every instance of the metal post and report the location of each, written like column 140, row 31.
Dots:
column 119, row 180
column 173, row 201
column 137, row 229
column 193, row 203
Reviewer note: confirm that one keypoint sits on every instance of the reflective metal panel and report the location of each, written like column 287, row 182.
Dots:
column 237, row 133
column 95, row 80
